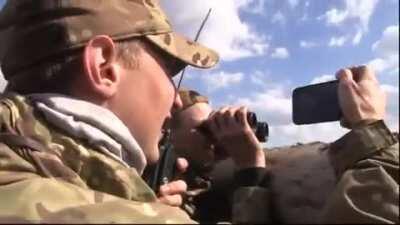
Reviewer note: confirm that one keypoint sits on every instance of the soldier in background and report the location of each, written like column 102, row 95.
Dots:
column 203, row 202
column 89, row 87
column 361, row 184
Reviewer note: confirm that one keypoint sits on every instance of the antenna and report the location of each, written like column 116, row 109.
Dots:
column 195, row 40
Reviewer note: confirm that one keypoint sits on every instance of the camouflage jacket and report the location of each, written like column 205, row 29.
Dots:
column 49, row 177
column 366, row 166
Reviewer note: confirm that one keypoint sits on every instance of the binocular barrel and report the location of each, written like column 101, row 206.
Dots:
column 260, row 129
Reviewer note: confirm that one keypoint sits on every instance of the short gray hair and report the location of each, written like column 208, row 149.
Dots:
column 56, row 75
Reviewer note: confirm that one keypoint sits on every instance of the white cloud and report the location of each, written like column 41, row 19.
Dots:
column 291, row 134
column 308, row 44
column 221, row 79
column 254, row 6
column 272, row 105
column 337, row 41
column 258, row 78
column 356, row 13
column 359, row 10
column 280, row 53
column 357, row 38
column 389, row 64
column 278, row 17
column 336, row 17
column 389, row 89
column 387, row 51
column 304, row 17
column 322, row 78
column 389, row 43
column 392, row 107
column 225, row 31
column 293, row 3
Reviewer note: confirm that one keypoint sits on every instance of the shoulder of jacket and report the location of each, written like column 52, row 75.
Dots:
column 16, row 114
column 9, row 110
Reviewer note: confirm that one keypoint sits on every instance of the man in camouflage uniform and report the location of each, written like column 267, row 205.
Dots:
column 94, row 84
column 365, row 161
column 189, row 143
column 67, row 160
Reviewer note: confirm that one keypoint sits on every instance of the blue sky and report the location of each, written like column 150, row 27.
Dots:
column 268, row 47
column 280, row 44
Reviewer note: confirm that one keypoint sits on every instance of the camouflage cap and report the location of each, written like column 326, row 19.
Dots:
column 33, row 30
column 191, row 97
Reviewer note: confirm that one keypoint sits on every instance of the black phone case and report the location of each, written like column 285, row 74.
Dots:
column 316, row 103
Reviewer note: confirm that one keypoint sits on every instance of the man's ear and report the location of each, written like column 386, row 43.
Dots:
column 99, row 64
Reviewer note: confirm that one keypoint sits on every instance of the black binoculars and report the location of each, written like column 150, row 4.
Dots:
column 260, row 129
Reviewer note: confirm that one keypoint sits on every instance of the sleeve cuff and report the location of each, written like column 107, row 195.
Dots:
column 359, row 144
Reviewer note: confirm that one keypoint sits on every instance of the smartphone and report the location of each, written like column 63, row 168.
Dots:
column 316, row 103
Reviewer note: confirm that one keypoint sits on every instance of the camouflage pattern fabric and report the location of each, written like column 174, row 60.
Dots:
column 46, row 176
column 366, row 164
column 28, row 26
column 302, row 180
column 191, row 97
column 49, row 177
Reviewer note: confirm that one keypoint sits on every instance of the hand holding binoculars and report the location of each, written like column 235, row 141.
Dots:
column 260, row 129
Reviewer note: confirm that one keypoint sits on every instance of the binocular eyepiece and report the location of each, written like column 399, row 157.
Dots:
column 260, row 129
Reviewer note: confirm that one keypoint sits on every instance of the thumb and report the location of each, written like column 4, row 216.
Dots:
column 345, row 75
column 346, row 81
column 182, row 164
